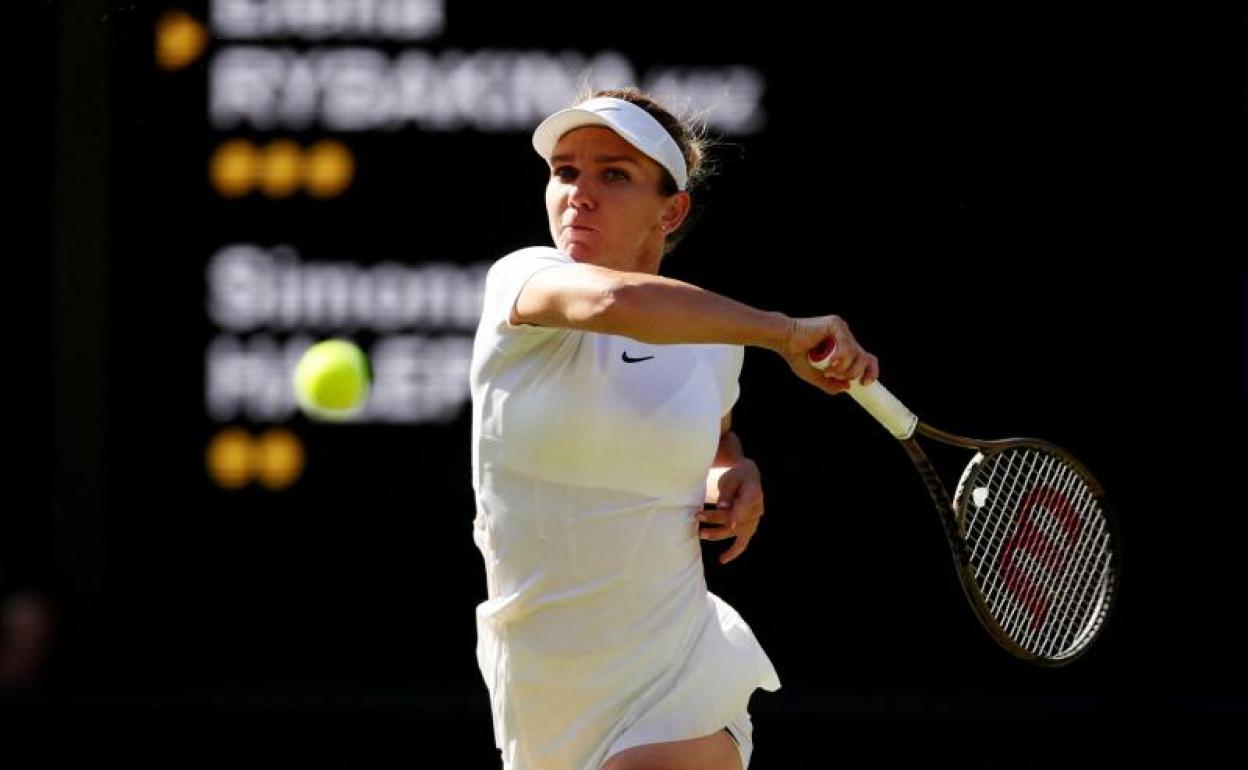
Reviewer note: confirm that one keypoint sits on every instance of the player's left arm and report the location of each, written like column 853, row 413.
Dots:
column 735, row 487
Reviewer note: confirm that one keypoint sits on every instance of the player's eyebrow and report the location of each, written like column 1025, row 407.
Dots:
column 597, row 159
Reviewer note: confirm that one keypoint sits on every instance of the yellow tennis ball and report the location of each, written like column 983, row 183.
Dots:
column 332, row 380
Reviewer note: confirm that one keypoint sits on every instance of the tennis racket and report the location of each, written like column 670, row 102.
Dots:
column 1031, row 532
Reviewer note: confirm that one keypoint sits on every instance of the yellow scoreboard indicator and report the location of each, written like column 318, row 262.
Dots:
column 274, row 459
column 229, row 458
column 329, row 169
column 279, row 455
column 234, row 167
column 281, row 168
column 180, row 40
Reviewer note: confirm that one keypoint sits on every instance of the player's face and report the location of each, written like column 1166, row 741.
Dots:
column 604, row 202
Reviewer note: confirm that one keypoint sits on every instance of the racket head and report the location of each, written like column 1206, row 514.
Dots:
column 1040, row 558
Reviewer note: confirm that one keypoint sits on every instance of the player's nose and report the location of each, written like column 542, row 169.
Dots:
column 581, row 194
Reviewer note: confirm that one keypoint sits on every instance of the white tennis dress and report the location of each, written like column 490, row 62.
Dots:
column 590, row 454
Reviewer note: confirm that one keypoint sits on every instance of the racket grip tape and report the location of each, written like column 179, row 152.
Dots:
column 886, row 408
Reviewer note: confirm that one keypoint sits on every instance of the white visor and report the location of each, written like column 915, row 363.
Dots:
column 632, row 123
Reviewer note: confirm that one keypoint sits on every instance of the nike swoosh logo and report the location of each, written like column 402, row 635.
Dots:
column 628, row 360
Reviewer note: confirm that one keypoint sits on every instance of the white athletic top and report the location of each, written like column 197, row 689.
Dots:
column 590, row 454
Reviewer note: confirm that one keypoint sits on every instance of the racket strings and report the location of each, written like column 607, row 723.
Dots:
column 1016, row 581
column 1039, row 548
column 1036, row 580
column 1011, row 600
column 1012, row 470
column 1062, row 586
column 1016, row 555
column 1082, row 594
column 1065, row 586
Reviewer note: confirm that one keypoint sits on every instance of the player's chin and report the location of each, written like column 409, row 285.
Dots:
column 581, row 249
column 586, row 256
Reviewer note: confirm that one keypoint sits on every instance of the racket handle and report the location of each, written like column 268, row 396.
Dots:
column 875, row 398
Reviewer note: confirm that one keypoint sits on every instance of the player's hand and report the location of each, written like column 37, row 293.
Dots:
column 738, row 509
column 850, row 361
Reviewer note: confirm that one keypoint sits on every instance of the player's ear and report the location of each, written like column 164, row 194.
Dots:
column 675, row 210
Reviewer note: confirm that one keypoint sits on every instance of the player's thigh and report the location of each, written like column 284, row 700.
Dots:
column 717, row 751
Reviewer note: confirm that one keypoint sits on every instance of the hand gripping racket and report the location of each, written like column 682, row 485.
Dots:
column 1030, row 529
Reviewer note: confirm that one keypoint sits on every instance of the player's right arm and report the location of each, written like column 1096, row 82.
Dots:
column 660, row 310
column 645, row 307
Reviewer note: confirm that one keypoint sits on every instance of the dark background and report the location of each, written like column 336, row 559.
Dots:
column 1034, row 217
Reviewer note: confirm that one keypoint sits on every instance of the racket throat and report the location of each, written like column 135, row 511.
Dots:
column 935, row 487
column 953, row 438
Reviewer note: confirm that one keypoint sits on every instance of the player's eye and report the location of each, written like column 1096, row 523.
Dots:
column 615, row 175
column 564, row 173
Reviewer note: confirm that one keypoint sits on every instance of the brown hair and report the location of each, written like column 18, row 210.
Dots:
column 690, row 137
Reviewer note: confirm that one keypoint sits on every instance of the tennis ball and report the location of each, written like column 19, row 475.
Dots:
column 332, row 380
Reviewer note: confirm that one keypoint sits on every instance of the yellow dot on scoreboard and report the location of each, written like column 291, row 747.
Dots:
column 279, row 455
column 180, row 39
column 233, row 168
column 329, row 169
column 281, row 168
column 230, row 458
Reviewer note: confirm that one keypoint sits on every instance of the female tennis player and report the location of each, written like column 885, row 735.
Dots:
column 602, row 397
